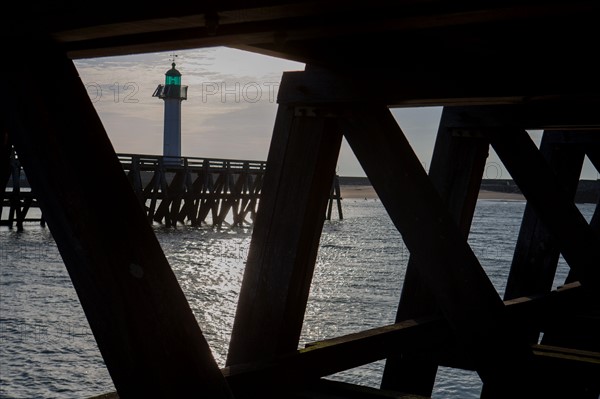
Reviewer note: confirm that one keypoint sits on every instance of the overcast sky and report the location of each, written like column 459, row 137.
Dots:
column 230, row 109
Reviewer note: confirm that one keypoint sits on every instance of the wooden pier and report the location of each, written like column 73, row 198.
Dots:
column 497, row 68
column 193, row 189
column 186, row 190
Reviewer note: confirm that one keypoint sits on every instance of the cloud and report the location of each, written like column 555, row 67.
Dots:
column 234, row 123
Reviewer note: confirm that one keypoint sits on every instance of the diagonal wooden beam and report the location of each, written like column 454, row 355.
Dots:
column 456, row 170
column 593, row 153
column 447, row 265
column 285, row 238
column 577, row 241
column 536, row 253
column 140, row 318
column 582, row 328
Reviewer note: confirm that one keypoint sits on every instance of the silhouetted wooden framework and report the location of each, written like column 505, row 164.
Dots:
column 18, row 200
column 192, row 191
column 498, row 68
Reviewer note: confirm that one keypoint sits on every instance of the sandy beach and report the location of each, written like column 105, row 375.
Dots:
column 367, row 192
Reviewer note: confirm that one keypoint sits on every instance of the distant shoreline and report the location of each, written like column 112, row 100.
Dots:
column 368, row 192
column 491, row 189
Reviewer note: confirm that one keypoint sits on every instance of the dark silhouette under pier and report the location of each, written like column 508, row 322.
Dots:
column 181, row 190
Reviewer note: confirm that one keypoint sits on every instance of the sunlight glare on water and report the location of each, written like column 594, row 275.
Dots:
column 48, row 351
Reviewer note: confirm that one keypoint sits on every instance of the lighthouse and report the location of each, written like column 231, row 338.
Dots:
column 173, row 93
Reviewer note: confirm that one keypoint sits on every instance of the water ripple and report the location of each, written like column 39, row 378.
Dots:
column 48, row 351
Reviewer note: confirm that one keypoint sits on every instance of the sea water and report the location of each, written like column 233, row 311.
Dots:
column 48, row 351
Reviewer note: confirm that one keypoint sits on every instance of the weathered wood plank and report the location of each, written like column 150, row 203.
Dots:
column 456, row 170
column 452, row 273
column 327, row 87
column 300, row 169
column 144, row 327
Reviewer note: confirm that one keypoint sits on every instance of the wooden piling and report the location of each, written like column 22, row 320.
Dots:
column 577, row 241
column 456, row 171
column 285, row 239
column 536, row 253
column 5, row 169
column 140, row 318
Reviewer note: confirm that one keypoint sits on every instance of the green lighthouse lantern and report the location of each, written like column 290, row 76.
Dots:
column 173, row 76
column 172, row 87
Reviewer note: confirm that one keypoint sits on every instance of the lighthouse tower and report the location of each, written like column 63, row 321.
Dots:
column 172, row 92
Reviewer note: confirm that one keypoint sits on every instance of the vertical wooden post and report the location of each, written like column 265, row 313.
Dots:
column 5, row 171
column 456, row 171
column 154, row 185
column 338, row 196
column 187, row 210
column 15, row 196
column 300, row 168
column 583, row 334
column 135, row 178
column 176, row 193
column 144, row 327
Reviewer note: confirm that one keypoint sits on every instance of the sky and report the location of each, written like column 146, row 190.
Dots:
column 231, row 107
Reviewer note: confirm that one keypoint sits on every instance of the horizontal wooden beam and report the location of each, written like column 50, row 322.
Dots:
column 260, row 23
column 337, row 354
column 549, row 115
column 329, row 356
column 567, row 354
column 538, row 102
column 573, row 372
column 327, row 389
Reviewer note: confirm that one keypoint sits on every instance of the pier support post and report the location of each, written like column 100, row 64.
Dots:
column 140, row 318
column 536, row 254
column 300, row 170
column 5, row 149
column 577, row 241
column 456, row 171
column 452, row 273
